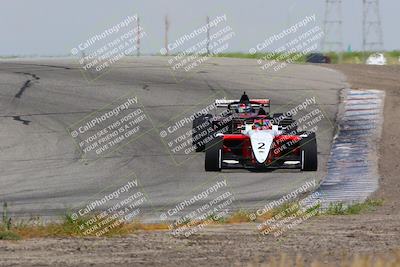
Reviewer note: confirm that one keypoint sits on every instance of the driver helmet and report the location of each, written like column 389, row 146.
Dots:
column 262, row 124
column 244, row 108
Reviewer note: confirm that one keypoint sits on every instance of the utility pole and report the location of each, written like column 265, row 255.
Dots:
column 166, row 35
column 138, row 38
column 372, row 26
column 208, row 35
column 333, row 23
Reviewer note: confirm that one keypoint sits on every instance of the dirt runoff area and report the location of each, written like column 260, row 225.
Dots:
column 324, row 238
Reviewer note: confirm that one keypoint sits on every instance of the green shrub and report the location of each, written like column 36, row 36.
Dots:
column 9, row 235
column 339, row 208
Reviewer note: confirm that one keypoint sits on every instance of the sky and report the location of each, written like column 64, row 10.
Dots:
column 54, row 27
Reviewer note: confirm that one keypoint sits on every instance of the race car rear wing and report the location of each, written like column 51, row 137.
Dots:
column 255, row 103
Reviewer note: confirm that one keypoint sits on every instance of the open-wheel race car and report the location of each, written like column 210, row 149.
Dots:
column 247, row 136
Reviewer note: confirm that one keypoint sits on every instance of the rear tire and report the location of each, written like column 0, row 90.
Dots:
column 214, row 154
column 308, row 153
column 200, row 126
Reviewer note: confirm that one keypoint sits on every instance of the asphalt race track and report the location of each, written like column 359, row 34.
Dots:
column 41, row 171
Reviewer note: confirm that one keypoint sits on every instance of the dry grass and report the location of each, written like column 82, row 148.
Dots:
column 68, row 227
column 238, row 217
column 62, row 230
column 34, row 228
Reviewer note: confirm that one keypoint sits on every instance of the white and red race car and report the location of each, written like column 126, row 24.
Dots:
column 256, row 140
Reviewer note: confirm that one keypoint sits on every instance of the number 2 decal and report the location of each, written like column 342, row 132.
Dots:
column 261, row 145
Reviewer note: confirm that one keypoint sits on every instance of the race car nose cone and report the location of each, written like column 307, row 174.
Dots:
column 261, row 143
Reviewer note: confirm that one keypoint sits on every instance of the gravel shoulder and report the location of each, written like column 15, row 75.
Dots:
column 384, row 78
column 326, row 238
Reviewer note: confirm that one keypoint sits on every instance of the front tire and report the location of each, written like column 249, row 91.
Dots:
column 308, row 153
column 201, row 126
column 214, row 154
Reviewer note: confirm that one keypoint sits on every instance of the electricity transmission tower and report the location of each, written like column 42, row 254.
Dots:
column 333, row 39
column 372, row 27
